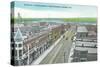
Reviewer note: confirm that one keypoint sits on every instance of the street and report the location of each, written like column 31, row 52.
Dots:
column 61, row 51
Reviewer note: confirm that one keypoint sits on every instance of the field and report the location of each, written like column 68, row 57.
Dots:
column 29, row 20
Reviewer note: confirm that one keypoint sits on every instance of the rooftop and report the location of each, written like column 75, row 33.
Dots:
column 18, row 36
column 91, row 44
column 82, row 29
column 90, row 50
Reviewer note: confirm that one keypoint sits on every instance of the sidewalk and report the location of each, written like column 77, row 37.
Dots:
column 71, row 53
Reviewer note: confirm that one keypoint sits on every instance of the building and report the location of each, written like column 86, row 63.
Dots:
column 29, row 45
column 82, row 32
column 56, row 31
column 85, row 44
column 79, row 55
column 84, row 54
column 17, row 47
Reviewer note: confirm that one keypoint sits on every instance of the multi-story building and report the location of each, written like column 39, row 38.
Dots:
column 85, row 47
column 28, row 45
column 82, row 32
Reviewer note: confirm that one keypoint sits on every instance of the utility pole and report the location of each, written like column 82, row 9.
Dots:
column 28, row 55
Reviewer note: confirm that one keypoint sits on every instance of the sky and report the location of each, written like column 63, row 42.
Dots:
column 45, row 10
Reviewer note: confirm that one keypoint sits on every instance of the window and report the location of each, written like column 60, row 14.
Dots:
column 20, row 52
column 20, row 45
column 15, row 45
column 15, row 52
column 12, row 45
column 24, row 49
column 12, row 52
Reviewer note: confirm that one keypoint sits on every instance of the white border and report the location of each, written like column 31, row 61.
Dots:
column 5, row 32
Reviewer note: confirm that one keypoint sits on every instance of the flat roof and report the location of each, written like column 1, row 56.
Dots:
column 90, row 50
column 82, row 29
column 78, row 43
